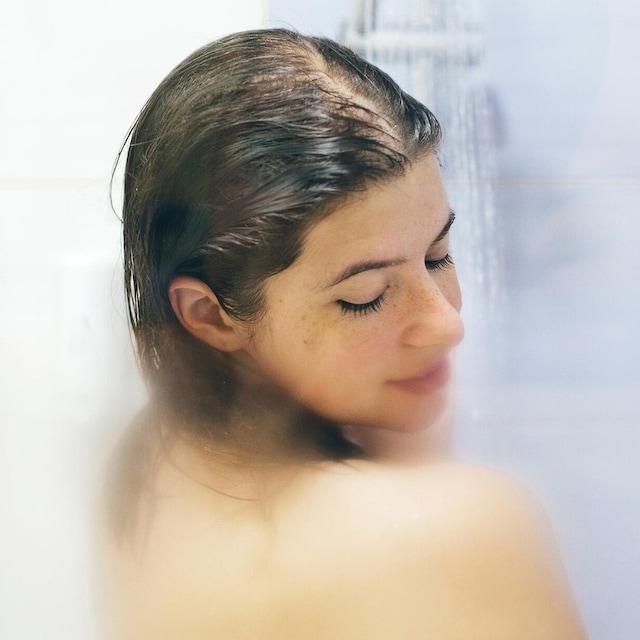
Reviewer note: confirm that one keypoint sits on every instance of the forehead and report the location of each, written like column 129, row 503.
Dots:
column 386, row 218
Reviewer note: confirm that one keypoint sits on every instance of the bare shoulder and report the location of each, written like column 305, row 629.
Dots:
column 440, row 497
column 457, row 550
column 344, row 551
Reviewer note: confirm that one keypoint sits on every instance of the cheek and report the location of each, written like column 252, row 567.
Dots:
column 351, row 348
column 335, row 355
column 297, row 342
column 308, row 330
column 337, row 371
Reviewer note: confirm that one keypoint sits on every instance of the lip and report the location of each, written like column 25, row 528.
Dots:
column 434, row 379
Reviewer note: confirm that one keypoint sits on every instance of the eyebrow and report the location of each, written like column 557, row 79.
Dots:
column 447, row 226
column 369, row 265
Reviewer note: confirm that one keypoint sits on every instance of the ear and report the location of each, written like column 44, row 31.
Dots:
column 199, row 312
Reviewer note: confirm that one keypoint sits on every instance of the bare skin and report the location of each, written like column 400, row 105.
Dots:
column 340, row 551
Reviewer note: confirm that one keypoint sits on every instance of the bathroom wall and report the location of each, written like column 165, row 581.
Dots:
column 551, row 393
column 74, row 75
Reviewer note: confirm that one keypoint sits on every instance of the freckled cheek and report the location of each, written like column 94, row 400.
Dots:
column 332, row 343
column 307, row 329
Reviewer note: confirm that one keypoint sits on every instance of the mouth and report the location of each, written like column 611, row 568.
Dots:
column 431, row 380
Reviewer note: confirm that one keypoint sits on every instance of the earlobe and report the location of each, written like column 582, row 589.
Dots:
column 200, row 313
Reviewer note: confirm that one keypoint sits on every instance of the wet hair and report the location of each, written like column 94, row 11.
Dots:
column 239, row 151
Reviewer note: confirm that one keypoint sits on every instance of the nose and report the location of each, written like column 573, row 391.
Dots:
column 433, row 319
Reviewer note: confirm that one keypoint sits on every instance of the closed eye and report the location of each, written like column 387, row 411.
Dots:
column 361, row 309
column 442, row 263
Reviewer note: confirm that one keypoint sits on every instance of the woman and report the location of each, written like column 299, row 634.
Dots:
column 295, row 309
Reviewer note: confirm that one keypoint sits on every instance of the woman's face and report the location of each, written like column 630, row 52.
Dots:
column 361, row 327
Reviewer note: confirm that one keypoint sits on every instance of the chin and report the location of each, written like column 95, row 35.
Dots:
column 429, row 414
column 418, row 439
column 405, row 421
column 410, row 413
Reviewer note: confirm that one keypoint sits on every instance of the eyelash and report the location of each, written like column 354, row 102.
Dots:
column 362, row 308
column 443, row 263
